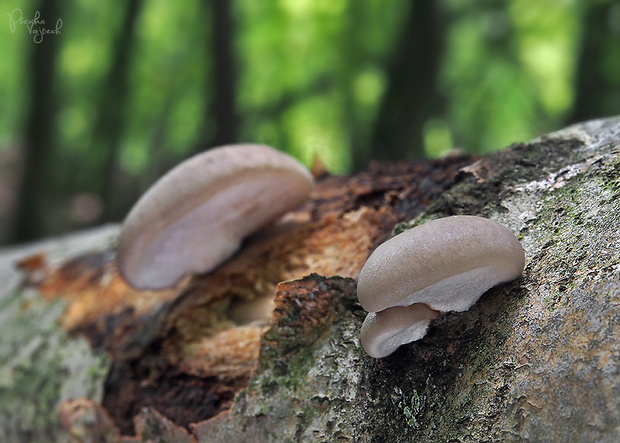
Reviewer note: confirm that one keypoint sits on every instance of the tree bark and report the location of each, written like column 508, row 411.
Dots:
column 536, row 359
column 222, row 110
column 412, row 96
column 110, row 125
column 34, row 189
column 597, row 89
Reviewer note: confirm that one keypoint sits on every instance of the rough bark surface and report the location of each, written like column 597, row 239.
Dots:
column 534, row 360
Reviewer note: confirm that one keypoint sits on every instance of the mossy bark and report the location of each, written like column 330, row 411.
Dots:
column 40, row 363
column 537, row 359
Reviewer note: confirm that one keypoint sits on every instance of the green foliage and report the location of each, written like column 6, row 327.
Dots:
column 312, row 73
column 13, row 72
column 310, row 79
column 167, row 82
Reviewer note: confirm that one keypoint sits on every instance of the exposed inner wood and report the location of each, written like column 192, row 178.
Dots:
column 188, row 350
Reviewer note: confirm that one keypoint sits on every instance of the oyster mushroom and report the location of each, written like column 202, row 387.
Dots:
column 443, row 265
column 196, row 216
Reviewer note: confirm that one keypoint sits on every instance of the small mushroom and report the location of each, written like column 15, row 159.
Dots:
column 443, row 265
column 383, row 332
column 196, row 216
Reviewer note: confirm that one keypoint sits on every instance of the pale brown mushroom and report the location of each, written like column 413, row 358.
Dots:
column 196, row 216
column 443, row 265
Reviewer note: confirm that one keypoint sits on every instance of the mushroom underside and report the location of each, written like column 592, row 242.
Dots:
column 457, row 292
column 384, row 332
column 208, row 234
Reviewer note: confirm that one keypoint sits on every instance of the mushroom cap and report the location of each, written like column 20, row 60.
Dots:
column 446, row 263
column 196, row 216
column 383, row 332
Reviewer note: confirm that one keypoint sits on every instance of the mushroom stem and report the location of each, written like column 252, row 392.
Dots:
column 443, row 265
column 384, row 332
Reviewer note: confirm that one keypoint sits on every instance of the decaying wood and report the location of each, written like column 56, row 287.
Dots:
column 186, row 352
column 536, row 359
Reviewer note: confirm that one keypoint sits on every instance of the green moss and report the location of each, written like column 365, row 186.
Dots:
column 527, row 362
column 412, row 408
column 471, row 197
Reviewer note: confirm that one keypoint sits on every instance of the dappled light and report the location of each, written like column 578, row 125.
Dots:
column 100, row 99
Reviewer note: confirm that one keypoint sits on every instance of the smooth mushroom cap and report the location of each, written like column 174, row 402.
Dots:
column 446, row 263
column 196, row 216
column 383, row 332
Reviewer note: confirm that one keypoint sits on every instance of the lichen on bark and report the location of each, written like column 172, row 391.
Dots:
column 537, row 359
column 40, row 366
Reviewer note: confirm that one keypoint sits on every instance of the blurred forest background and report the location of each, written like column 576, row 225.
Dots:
column 91, row 116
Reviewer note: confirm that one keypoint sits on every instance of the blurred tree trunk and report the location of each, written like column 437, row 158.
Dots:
column 598, row 90
column 110, row 125
column 221, row 115
column 412, row 96
column 361, row 128
column 35, row 187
